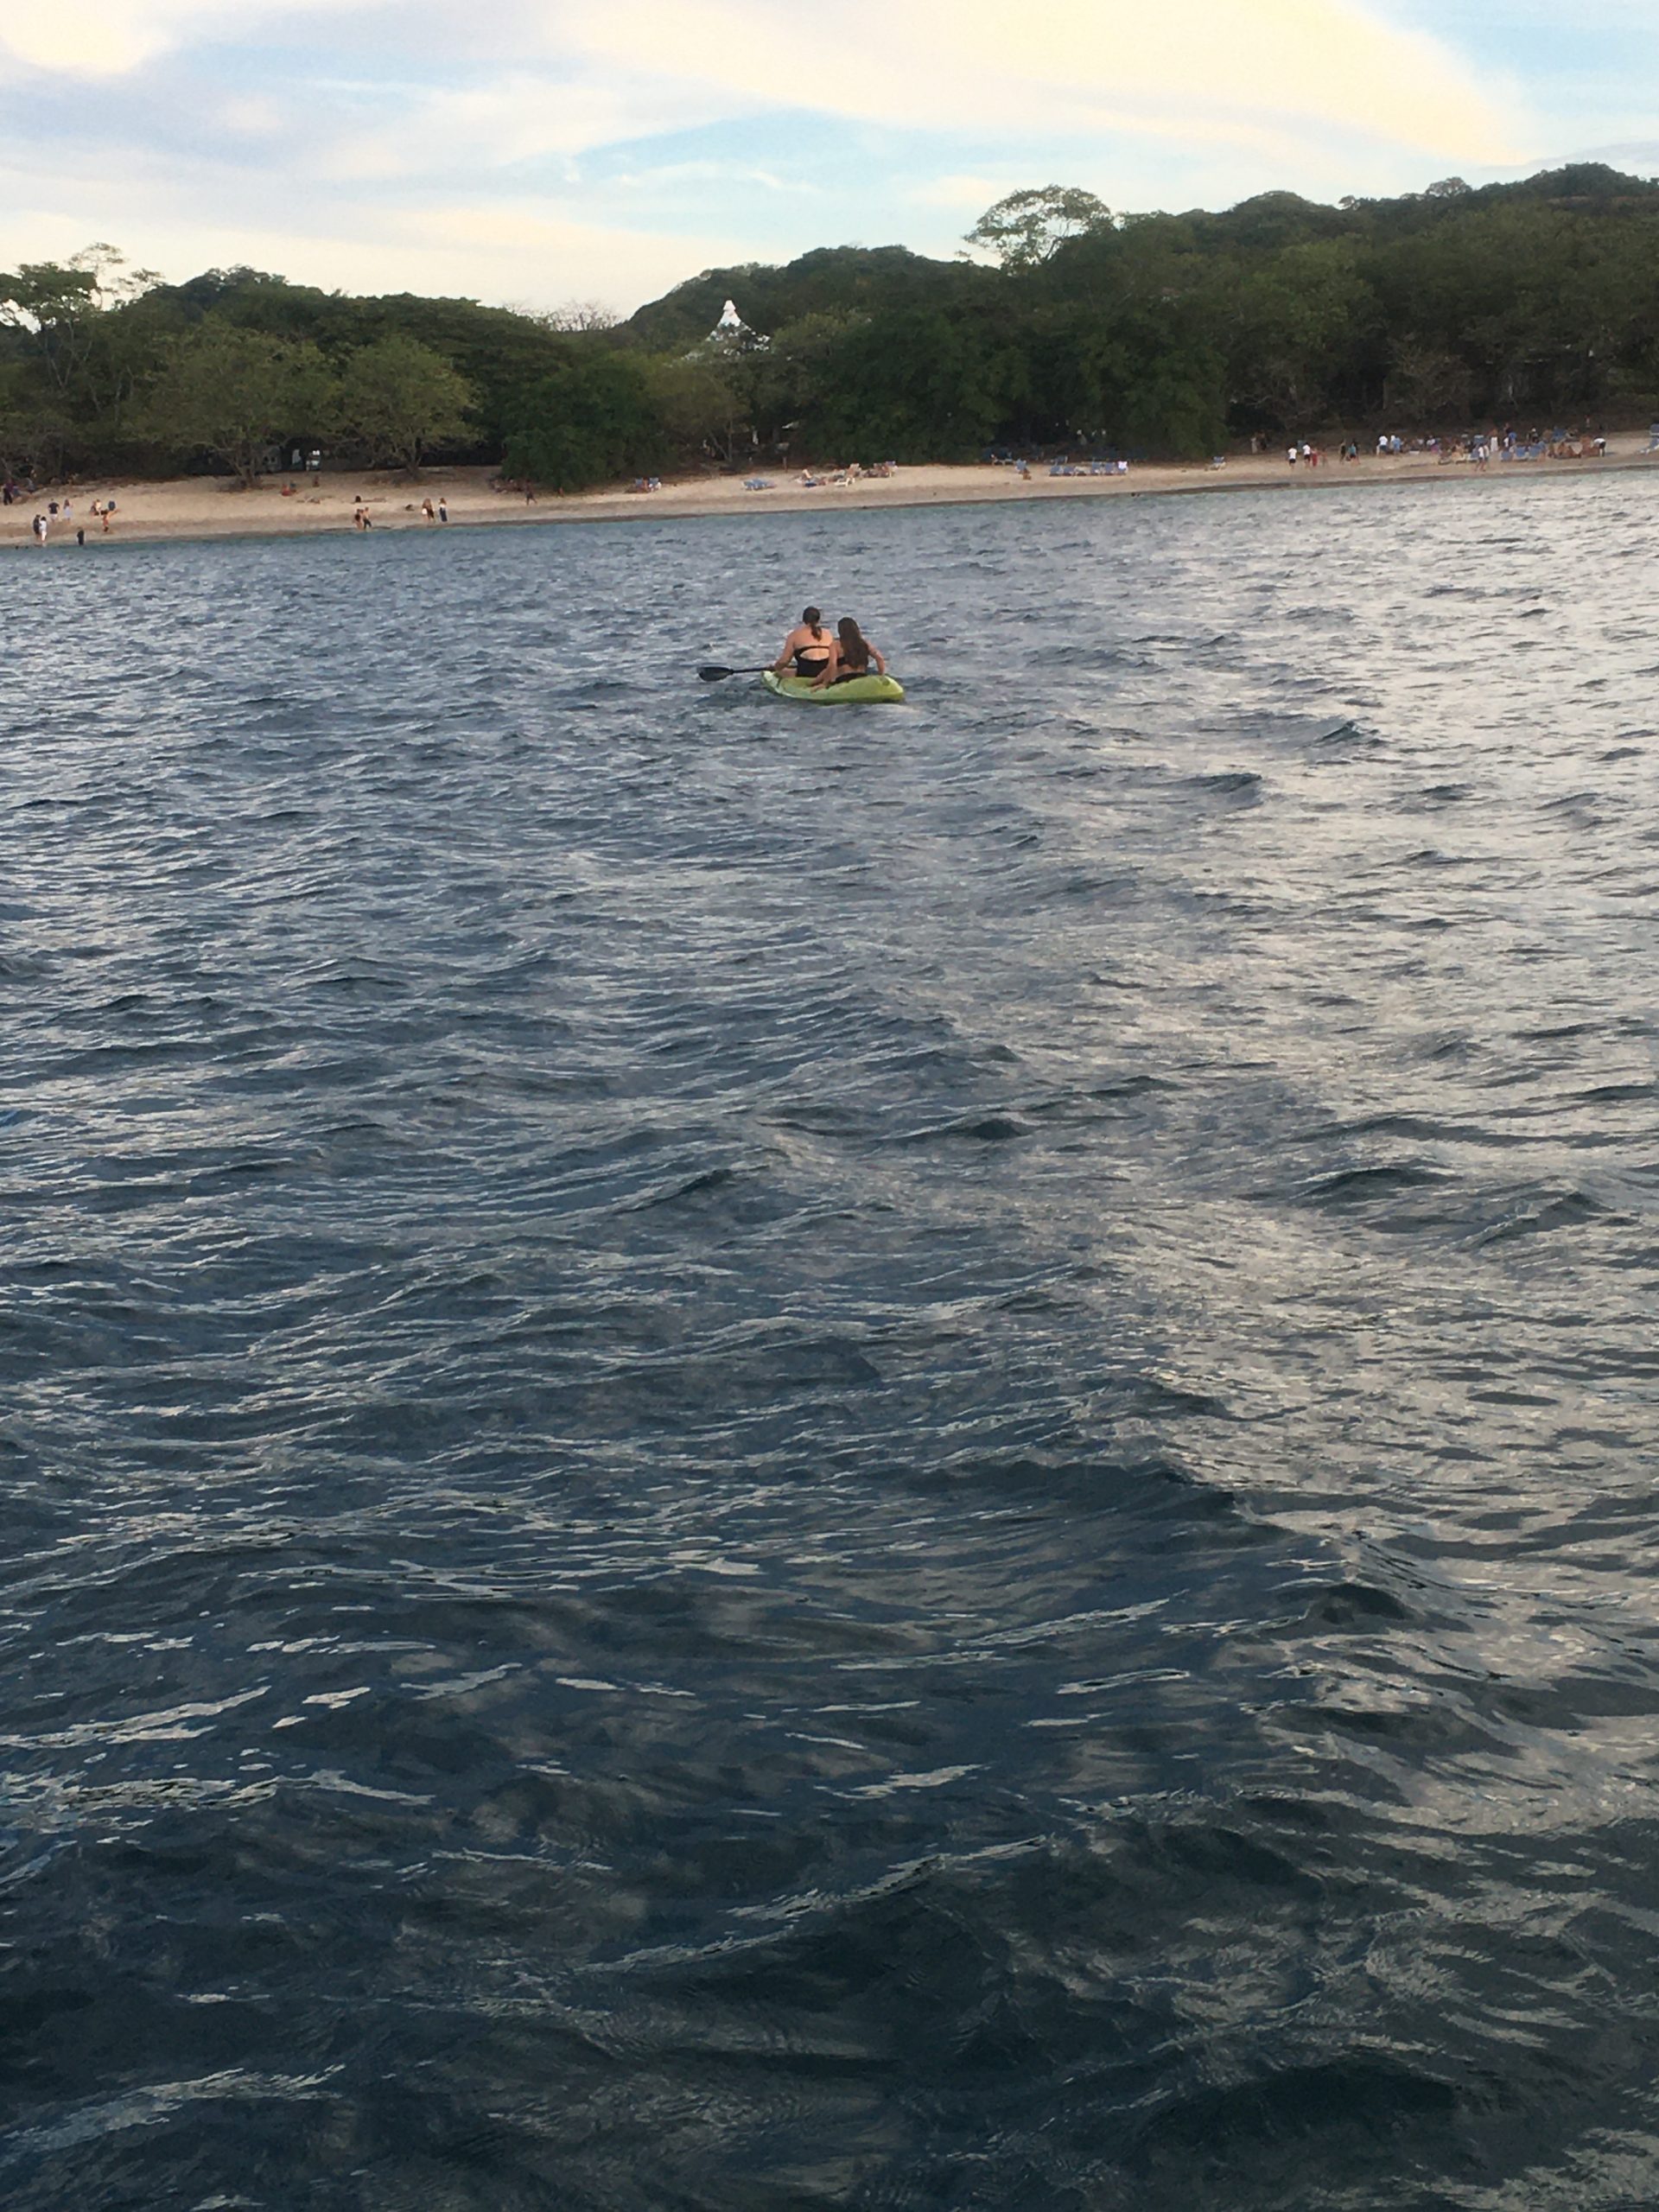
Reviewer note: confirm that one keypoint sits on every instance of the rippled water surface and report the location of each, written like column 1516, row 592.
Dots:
column 758, row 1458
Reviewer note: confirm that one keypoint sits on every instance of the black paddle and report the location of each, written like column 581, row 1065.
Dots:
column 712, row 672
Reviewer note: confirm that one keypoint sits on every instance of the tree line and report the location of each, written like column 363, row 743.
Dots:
column 1063, row 325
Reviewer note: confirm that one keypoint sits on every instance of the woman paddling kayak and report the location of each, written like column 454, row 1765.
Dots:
column 808, row 645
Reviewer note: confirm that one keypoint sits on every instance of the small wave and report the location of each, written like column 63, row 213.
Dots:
column 1361, row 2096
column 1618, row 1094
column 978, row 1129
column 1418, row 1128
column 1345, row 1186
column 1350, row 1605
column 1539, row 1214
column 1231, row 783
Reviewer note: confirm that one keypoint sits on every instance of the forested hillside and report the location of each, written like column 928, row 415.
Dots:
column 1154, row 334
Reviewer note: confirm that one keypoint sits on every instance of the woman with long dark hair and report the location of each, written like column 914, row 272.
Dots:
column 851, row 654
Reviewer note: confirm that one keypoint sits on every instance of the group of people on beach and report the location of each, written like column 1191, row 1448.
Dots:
column 62, row 510
column 362, row 520
column 823, row 657
column 852, row 472
column 1475, row 446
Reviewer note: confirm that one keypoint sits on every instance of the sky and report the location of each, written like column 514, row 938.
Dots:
column 534, row 153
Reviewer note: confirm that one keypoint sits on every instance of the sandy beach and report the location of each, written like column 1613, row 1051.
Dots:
column 206, row 506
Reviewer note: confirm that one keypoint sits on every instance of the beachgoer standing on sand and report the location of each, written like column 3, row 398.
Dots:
column 428, row 510
column 39, row 528
column 443, row 509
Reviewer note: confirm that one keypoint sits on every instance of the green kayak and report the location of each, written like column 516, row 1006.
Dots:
column 855, row 688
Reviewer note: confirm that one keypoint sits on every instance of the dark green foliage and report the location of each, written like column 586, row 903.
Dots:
column 399, row 398
column 237, row 395
column 913, row 384
column 494, row 351
column 1153, row 333
column 592, row 416
column 832, row 280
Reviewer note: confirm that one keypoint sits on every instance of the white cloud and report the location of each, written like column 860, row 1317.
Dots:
column 1196, row 67
column 520, row 118
column 108, row 38
column 675, row 176
column 976, row 193
column 1636, row 157
column 1255, row 72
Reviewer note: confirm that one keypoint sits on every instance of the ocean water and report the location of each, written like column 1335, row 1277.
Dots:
column 901, row 1457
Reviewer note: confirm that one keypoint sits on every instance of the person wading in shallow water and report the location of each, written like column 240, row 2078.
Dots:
column 808, row 645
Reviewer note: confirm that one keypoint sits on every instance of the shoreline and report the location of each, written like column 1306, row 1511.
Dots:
column 201, row 508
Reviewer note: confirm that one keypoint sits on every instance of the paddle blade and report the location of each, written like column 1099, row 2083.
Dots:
column 712, row 673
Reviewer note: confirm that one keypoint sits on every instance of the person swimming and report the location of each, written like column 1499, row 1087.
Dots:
column 808, row 645
column 850, row 655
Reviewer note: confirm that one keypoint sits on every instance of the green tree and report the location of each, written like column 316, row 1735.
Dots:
column 500, row 355
column 240, row 394
column 81, row 328
column 594, row 418
column 34, row 433
column 796, row 373
column 1126, row 339
column 1427, row 383
column 1026, row 228
column 913, row 384
column 65, row 307
column 1295, row 321
column 706, row 402
column 1517, row 293
column 400, row 399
